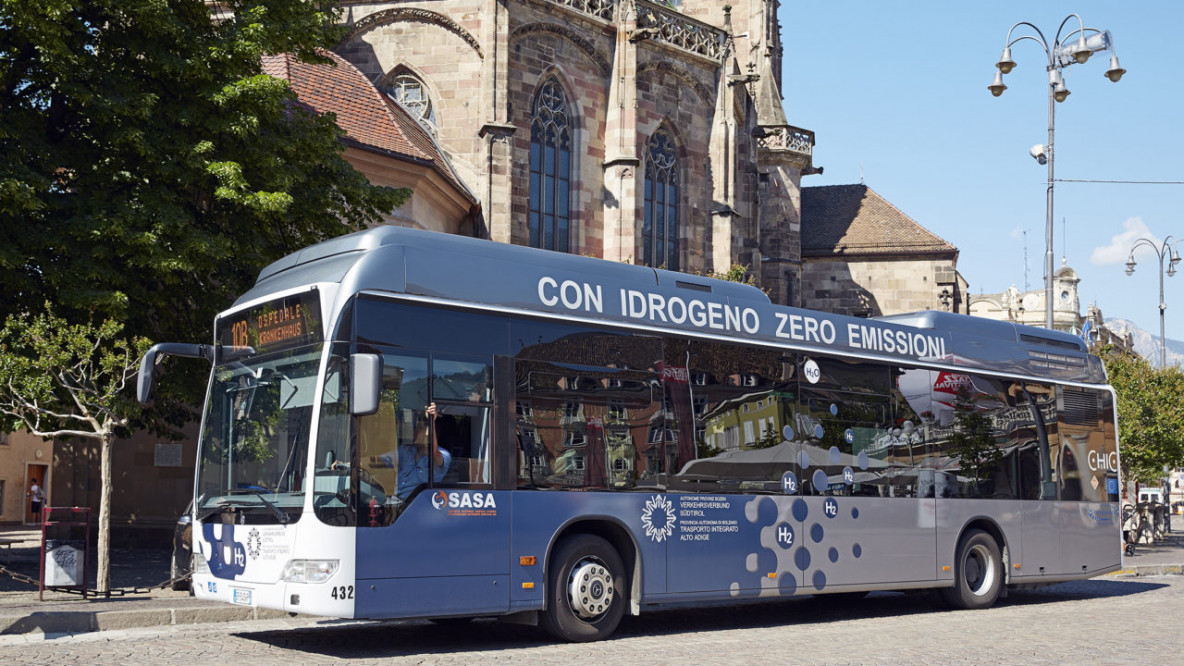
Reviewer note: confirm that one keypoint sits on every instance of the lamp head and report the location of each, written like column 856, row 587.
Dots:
column 1115, row 72
column 1130, row 265
column 1038, row 154
column 997, row 87
column 1081, row 52
column 1060, row 93
column 1006, row 64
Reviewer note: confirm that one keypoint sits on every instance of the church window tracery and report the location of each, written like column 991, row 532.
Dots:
column 550, row 169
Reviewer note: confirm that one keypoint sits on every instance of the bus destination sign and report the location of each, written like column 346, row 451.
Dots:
column 285, row 322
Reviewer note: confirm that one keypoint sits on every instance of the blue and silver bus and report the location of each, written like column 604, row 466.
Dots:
column 405, row 424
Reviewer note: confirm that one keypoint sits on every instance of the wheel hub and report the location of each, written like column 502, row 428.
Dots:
column 979, row 571
column 590, row 589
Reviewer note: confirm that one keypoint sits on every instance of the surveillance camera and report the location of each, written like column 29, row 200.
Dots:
column 1037, row 153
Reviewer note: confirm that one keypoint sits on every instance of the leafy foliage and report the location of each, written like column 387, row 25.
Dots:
column 148, row 169
column 736, row 273
column 972, row 441
column 66, row 379
column 1150, row 414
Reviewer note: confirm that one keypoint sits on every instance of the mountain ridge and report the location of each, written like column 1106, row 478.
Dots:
column 1146, row 344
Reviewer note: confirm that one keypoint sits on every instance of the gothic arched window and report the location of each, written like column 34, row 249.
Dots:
column 550, row 169
column 659, row 229
column 413, row 96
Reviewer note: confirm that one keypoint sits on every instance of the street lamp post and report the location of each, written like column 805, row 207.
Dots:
column 1165, row 249
column 1075, row 47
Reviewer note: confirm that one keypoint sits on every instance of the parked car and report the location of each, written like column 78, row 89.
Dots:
column 182, row 549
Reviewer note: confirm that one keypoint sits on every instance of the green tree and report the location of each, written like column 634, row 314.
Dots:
column 148, row 169
column 972, row 442
column 71, row 380
column 1150, row 414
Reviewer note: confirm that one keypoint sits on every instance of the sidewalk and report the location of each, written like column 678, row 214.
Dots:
column 139, row 569
column 21, row 612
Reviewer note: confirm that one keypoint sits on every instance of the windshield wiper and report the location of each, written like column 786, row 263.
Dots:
column 279, row 513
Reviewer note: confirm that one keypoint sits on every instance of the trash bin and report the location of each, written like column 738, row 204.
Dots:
column 63, row 563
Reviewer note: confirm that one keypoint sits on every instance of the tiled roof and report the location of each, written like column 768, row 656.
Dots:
column 845, row 220
column 370, row 119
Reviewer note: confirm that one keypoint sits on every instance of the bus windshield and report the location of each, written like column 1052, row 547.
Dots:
column 254, row 444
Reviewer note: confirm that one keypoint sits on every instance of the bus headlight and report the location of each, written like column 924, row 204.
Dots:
column 309, row 571
column 198, row 564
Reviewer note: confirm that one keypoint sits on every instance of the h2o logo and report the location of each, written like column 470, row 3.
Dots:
column 812, row 371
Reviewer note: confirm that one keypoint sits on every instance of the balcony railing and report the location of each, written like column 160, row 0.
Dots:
column 658, row 23
column 787, row 137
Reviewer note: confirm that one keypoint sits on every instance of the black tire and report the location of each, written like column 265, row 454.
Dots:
column 978, row 572
column 585, row 595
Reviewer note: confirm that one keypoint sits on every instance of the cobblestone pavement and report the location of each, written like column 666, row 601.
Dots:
column 1109, row 620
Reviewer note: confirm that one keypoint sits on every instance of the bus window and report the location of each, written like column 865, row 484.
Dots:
column 390, row 441
column 584, row 427
column 728, row 408
column 1085, row 461
column 849, row 410
column 462, row 391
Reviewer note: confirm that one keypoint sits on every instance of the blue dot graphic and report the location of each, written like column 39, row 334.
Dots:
column 787, row 432
column 820, row 481
column 856, row 550
column 819, row 432
column 816, row 533
column 789, row 483
column 803, row 460
column 834, row 409
column 833, row 554
column 786, row 583
column 819, row 580
column 830, row 508
column 863, row 460
column 785, row 535
column 835, row 454
column 802, row 558
column 800, row 510
column 855, row 513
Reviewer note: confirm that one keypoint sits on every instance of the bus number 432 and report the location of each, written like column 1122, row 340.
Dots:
column 343, row 592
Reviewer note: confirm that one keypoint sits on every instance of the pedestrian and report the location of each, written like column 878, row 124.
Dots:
column 37, row 497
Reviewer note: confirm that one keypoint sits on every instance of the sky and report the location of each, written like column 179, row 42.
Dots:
column 896, row 94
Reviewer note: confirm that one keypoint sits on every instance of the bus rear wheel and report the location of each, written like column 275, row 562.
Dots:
column 585, row 590
column 978, row 572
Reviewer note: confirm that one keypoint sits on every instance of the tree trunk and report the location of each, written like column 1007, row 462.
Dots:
column 103, row 582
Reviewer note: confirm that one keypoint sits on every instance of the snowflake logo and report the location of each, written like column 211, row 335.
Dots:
column 254, row 543
column 658, row 518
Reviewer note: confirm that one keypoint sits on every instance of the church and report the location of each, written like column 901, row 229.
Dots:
column 630, row 130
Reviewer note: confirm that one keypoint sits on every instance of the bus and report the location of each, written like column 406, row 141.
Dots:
column 407, row 424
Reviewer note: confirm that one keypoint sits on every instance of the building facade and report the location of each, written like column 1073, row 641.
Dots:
column 627, row 129
column 864, row 257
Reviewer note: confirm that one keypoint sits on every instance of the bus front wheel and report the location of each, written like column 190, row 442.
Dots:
column 585, row 590
column 978, row 572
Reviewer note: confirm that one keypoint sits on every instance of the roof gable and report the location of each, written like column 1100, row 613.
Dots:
column 846, row 220
column 369, row 118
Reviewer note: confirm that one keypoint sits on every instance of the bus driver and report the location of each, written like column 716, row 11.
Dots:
column 415, row 459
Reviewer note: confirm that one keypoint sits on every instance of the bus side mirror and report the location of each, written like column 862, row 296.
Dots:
column 365, row 383
column 148, row 363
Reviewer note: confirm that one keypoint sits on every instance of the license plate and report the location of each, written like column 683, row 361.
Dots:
column 242, row 597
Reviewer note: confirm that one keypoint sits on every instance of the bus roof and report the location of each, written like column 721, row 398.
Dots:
column 496, row 275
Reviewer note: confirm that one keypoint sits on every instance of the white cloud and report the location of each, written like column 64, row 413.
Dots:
column 1120, row 245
